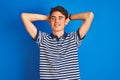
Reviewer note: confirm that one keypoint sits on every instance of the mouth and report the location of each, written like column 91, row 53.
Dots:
column 56, row 25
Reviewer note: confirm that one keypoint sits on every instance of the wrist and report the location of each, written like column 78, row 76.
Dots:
column 70, row 17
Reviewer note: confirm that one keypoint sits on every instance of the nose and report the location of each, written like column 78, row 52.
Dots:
column 56, row 20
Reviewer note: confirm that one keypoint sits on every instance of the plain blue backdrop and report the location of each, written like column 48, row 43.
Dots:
column 99, row 54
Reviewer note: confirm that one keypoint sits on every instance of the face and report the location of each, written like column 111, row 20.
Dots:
column 57, row 21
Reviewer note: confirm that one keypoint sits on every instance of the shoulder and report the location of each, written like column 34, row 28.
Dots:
column 41, row 34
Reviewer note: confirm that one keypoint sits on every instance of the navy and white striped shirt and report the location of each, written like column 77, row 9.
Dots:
column 59, row 56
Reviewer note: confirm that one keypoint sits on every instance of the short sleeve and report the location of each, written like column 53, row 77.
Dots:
column 77, row 37
column 38, row 37
column 78, row 34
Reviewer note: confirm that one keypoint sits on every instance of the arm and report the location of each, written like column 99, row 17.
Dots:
column 28, row 18
column 87, row 17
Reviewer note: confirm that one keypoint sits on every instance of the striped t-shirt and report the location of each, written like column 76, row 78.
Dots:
column 59, row 56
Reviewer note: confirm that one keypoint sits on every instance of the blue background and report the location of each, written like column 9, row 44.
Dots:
column 99, row 54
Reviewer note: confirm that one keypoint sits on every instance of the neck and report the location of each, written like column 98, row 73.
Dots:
column 58, row 33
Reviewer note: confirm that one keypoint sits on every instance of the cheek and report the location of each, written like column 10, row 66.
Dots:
column 63, row 23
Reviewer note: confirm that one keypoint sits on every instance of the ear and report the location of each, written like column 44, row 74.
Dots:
column 67, row 21
column 49, row 19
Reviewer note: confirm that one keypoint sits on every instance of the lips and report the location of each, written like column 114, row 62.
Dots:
column 56, row 25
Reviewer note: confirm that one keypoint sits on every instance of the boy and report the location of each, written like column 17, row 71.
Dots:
column 59, row 50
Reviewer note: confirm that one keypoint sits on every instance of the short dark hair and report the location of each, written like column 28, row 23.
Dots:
column 61, row 10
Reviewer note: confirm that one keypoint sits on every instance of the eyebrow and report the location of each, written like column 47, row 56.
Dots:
column 55, row 16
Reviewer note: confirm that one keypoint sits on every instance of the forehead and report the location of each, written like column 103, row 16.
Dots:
column 57, row 13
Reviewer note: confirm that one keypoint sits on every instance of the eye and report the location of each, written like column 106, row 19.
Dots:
column 60, row 17
column 52, row 18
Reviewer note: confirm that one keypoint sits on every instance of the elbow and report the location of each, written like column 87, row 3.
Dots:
column 91, row 15
column 23, row 15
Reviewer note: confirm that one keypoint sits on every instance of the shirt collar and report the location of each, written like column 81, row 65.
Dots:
column 54, row 36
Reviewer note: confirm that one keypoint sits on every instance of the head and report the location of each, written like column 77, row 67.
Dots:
column 58, row 18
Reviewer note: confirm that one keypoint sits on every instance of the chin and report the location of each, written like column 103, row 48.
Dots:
column 57, row 29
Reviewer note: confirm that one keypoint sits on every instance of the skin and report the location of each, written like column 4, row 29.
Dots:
column 57, row 21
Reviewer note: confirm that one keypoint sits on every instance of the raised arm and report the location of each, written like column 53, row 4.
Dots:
column 28, row 18
column 87, row 17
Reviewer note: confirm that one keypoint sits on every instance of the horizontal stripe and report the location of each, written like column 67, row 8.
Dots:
column 59, row 59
